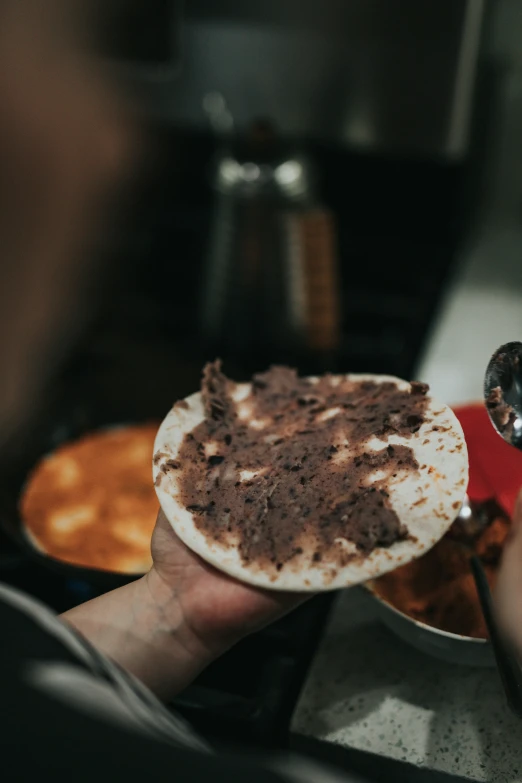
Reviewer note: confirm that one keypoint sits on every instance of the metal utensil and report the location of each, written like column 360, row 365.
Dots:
column 466, row 530
column 503, row 392
column 507, row 663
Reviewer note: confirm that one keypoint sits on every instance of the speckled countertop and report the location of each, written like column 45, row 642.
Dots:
column 366, row 689
column 370, row 691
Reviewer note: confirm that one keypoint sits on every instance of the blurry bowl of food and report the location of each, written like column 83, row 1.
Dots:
column 449, row 647
column 432, row 603
column 87, row 508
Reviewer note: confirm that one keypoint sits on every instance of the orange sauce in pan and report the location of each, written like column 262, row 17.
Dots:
column 92, row 503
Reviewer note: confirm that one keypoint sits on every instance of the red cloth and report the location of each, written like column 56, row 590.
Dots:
column 495, row 468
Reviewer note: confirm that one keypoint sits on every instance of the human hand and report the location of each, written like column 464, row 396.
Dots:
column 508, row 593
column 169, row 625
column 217, row 610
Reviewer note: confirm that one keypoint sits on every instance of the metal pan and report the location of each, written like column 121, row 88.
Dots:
column 71, row 423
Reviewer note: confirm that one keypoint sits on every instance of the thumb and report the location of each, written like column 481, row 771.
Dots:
column 508, row 593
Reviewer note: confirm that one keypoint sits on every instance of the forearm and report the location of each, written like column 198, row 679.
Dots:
column 142, row 628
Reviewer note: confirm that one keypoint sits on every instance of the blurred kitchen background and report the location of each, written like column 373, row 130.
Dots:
column 321, row 178
column 314, row 172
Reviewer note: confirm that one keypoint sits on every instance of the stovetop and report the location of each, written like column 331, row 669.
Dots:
column 397, row 239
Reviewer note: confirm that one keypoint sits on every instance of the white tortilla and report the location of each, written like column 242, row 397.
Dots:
column 427, row 501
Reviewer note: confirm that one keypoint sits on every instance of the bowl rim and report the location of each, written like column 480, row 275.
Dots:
column 370, row 589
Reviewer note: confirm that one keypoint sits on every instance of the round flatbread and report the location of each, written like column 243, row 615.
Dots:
column 309, row 484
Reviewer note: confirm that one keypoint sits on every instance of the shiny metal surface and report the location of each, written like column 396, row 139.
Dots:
column 249, row 291
column 449, row 647
column 468, row 526
column 503, row 392
column 372, row 74
column 290, row 179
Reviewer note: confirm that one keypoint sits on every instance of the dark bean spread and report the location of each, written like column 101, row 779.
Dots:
column 288, row 470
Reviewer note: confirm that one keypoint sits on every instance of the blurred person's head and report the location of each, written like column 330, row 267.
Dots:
column 65, row 141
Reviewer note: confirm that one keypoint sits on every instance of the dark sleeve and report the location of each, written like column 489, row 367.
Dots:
column 72, row 712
